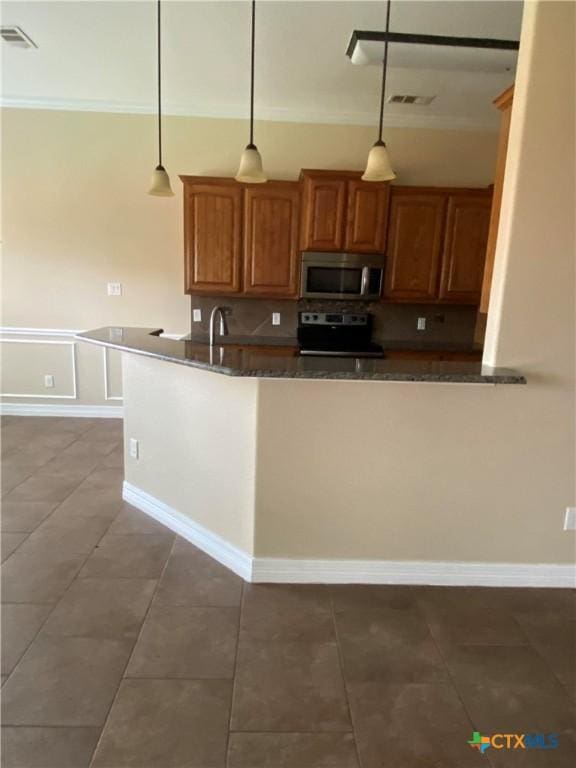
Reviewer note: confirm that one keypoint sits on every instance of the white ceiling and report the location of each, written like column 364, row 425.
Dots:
column 101, row 55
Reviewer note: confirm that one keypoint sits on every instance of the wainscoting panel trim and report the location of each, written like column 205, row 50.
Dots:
column 107, row 395
column 42, row 395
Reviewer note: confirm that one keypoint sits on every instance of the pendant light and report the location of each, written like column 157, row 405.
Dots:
column 160, row 182
column 250, row 170
column 378, row 167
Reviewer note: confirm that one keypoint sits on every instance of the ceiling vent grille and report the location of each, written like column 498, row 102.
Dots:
column 421, row 101
column 17, row 37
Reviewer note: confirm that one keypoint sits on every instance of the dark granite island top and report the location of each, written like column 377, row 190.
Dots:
column 260, row 363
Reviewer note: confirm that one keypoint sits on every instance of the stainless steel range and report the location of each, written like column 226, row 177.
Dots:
column 337, row 334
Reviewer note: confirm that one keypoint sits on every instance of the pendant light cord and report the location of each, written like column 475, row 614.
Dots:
column 384, row 70
column 251, row 144
column 159, row 89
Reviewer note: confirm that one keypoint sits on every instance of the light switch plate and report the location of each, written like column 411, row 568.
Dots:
column 134, row 448
column 570, row 519
column 49, row 381
column 196, row 315
column 114, row 289
column 275, row 318
column 421, row 324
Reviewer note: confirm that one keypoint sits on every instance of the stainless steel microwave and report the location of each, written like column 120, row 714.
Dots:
column 341, row 275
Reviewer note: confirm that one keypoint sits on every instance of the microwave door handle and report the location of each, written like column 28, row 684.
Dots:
column 365, row 279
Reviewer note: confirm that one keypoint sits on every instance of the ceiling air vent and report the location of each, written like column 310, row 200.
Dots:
column 16, row 36
column 421, row 101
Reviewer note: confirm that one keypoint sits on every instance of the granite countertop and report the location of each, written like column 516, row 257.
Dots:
column 395, row 345
column 259, row 363
column 432, row 346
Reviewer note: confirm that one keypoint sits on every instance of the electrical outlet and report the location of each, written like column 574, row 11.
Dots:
column 134, row 448
column 275, row 318
column 421, row 324
column 570, row 519
column 49, row 381
column 114, row 289
column 196, row 315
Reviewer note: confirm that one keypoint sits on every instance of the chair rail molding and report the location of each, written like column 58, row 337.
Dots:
column 18, row 331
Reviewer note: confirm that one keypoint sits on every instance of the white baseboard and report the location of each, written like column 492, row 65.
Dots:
column 233, row 558
column 285, row 571
column 451, row 574
column 54, row 409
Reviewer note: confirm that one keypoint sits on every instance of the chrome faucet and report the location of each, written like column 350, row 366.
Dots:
column 222, row 311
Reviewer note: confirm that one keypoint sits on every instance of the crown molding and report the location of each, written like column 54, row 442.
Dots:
column 265, row 114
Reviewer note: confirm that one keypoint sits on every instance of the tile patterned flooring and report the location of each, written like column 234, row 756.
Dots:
column 123, row 645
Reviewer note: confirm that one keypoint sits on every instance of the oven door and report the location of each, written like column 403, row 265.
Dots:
column 340, row 276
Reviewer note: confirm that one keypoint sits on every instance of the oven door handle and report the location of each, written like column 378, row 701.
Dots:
column 365, row 281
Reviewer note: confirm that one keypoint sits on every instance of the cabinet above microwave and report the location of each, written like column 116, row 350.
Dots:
column 340, row 212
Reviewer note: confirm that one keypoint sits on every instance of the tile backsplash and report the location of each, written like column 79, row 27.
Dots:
column 398, row 324
column 247, row 318
column 250, row 320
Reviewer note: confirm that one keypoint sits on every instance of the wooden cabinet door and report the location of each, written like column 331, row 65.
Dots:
column 367, row 217
column 271, row 226
column 212, row 237
column 465, row 241
column 414, row 245
column 324, row 214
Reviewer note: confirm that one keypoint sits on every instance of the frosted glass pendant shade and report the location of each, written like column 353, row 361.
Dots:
column 250, row 170
column 378, row 167
column 160, row 183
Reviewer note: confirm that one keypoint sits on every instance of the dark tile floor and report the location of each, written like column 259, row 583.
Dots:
column 123, row 645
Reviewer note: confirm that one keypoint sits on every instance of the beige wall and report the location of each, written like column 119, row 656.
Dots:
column 440, row 472
column 457, row 472
column 425, row 472
column 76, row 214
column 197, row 443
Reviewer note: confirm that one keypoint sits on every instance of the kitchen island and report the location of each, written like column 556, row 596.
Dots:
column 258, row 362
column 317, row 469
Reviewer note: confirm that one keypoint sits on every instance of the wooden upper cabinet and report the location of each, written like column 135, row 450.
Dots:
column 467, row 224
column 343, row 213
column 212, row 237
column 271, row 232
column 324, row 212
column 241, row 239
column 414, row 245
column 367, row 216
